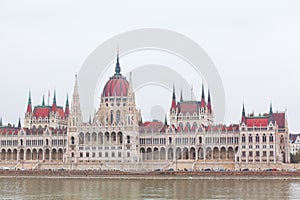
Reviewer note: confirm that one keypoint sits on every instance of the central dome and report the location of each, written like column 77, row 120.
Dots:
column 117, row 85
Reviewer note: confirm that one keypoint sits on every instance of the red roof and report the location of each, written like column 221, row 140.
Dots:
column 189, row 107
column 44, row 111
column 116, row 86
column 280, row 119
column 257, row 121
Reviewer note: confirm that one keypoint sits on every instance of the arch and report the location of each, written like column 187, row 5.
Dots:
column 230, row 153
column 81, row 138
column 178, row 154
column 40, row 154
column 143, row 153
column 28, row 154
column 9, row 154
column 149, row 153
column 185, row 153
column 192, row 153
column 21, row 154
column 162, row 153
column 106, row 138
column 201, row 153
column 223, row 153
column 60, row 154
column 216, row 153
column 257, row 138
column 100, row 138
column 120, row 138
column 170, row 154
column 113, row 138
column 155, row 154
column 87, row 138
column 72, row 140
column 47, row 154
column 208, row 153
column 94, row 138
column 34, row 154
column 54, row 154
column 243, row 138
column 15, row 154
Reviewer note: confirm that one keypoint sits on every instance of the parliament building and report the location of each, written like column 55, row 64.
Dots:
column 116, row 138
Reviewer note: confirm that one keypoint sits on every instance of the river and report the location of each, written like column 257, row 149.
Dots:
column 71, row 188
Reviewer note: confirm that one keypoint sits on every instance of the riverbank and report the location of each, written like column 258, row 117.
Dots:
column 163, row 175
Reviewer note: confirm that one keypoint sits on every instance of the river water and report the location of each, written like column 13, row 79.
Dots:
column 51, row 188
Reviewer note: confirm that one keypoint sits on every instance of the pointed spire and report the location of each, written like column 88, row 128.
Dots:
column 181, row 98
column 43, row 102
column 90, row 120
column 271, row 117
column 209, row 106
column 203, row 103
column 54, row 97
column 166, row 122
column 173, row 99
column 29, row 106
column 67, row 109
column 243, row 114
column 54, row 102
column 118, row 68
column 19, row 123
column 1, row 124
column 203, row 95
column 75, row 114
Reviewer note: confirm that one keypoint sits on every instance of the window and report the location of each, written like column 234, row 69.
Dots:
column 243, row 138
column 250, row 153
column 271, row 153
column 100, row 154
column 257, row 153
column 264, row 153
column 243, row 153
column 87, row 154
column 271, row 137
column 264, row 138
column 72, row 155
column 106, row 154
column 257, row 138
column 113, row 154
column 250, row 138
column 81, row 154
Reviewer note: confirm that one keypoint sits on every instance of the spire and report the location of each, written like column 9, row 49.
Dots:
column 54, row 102
column 29, row 106
column 75, row 114
column 203, row 97
column 54, row 98
column 43, row 103
column 181, row 98
column 209, row 107
column 1, row 124
column 166, row 122
column 118, row 68
column 243, row 114
column 173, row 99
column 90, row 120
column 271, row 117
column 19, row 123
column 67, row 109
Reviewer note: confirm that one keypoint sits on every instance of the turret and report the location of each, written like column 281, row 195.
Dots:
column 54, row 103
column 209, row 106
column 243, row 114
column 67, row 109
column 29, row 104
column 173, row 105
column 203, row 103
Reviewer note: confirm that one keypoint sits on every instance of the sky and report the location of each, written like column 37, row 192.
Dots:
column 253, row 44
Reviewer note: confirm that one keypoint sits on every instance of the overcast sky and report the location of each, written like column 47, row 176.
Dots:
column 254, row 45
